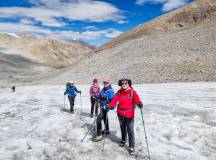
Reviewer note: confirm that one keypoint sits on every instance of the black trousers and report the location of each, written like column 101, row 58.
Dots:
column 71, row 100
column 102, row 116
column 94, row 106
column 127, row 127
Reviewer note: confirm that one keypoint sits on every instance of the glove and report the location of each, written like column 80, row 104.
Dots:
column 80, row 92
column 140, row 105
column 112, row 108
column 106, row 108
column 94, row 96
column 64, row 93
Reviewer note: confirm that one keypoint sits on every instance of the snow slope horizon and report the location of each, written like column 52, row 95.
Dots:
column 180, row 123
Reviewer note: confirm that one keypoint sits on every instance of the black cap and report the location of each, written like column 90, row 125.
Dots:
column 128, row 80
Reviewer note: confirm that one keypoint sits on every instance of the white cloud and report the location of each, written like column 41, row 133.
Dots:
column 168, row 5
column 26, row 21
column 86, row 35
column 47, row 3
column 44, row 15
column 141, row 2
column 94, row 11
column 49, row 12
column 91, row 28
column 19, row 28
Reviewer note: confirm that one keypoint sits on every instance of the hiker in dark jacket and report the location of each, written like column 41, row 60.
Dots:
column 13, row 89
column 127, row 98
column 106, row 95
column 71, row 91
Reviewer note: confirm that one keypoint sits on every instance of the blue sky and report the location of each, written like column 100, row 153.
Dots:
column 94, row 22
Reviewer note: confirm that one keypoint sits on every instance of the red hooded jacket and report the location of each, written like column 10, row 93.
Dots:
column 126, row 102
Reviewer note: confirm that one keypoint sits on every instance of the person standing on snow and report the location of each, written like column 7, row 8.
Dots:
column 127, row 98
column 13, row 88
column 71, row 91
column 94, row 92
column 106, row 95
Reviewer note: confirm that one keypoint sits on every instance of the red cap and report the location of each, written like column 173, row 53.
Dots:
column 95, row 81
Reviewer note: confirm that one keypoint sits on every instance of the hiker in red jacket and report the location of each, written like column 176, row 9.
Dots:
column 127, row 99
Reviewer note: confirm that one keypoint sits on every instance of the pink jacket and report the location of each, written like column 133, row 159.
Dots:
column 94, row 90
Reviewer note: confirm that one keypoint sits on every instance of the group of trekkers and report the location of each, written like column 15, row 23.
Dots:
column 125, row 99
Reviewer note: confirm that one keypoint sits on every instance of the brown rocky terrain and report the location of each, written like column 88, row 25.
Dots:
column 176, row 47
column 187, row 17
column 25, row 57
column 45, row 50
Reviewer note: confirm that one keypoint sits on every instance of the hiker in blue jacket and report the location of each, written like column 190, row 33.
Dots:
column 106, row 95
column 71, row 91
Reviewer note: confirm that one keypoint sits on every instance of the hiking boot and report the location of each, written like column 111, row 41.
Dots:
column 131, row 151
column 72, row 112
column 105, row 131
column 122, row 143
column 91, row 115
column 98, row 138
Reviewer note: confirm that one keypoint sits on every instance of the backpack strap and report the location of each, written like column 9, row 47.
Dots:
column 131, row 93
column 132, row 97
column 119, row 93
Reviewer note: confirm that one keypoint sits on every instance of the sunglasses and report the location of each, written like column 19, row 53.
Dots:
column 124, row 83
column 105, row 83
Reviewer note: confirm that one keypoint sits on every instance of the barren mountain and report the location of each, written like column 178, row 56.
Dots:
column 187, row 17
column 178, row 46
column 23, row 58
column 45, row 50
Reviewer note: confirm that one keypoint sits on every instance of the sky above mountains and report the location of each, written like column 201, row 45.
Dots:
column 94, row 22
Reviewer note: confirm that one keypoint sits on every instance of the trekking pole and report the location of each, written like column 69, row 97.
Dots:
column 89, row 128
column 145, row 132
column 64, row 101
column 105, row 133
column 81, row 101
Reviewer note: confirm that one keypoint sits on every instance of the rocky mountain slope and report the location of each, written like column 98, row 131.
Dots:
column 25, row 57
column 187, row 17
column 178, row 46
column 45, row 50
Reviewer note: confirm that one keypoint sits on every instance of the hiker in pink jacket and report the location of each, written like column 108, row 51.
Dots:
column 94, row 92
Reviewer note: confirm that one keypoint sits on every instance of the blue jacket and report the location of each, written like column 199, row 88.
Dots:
column 106, row 95
column 72, row 90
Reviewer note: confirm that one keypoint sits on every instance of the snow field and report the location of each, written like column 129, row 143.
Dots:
column 180, row 124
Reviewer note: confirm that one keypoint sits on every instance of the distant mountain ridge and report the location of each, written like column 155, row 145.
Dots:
column 27, row 56
column 48, row 51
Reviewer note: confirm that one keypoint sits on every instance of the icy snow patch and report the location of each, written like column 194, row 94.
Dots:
column 180, row 124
